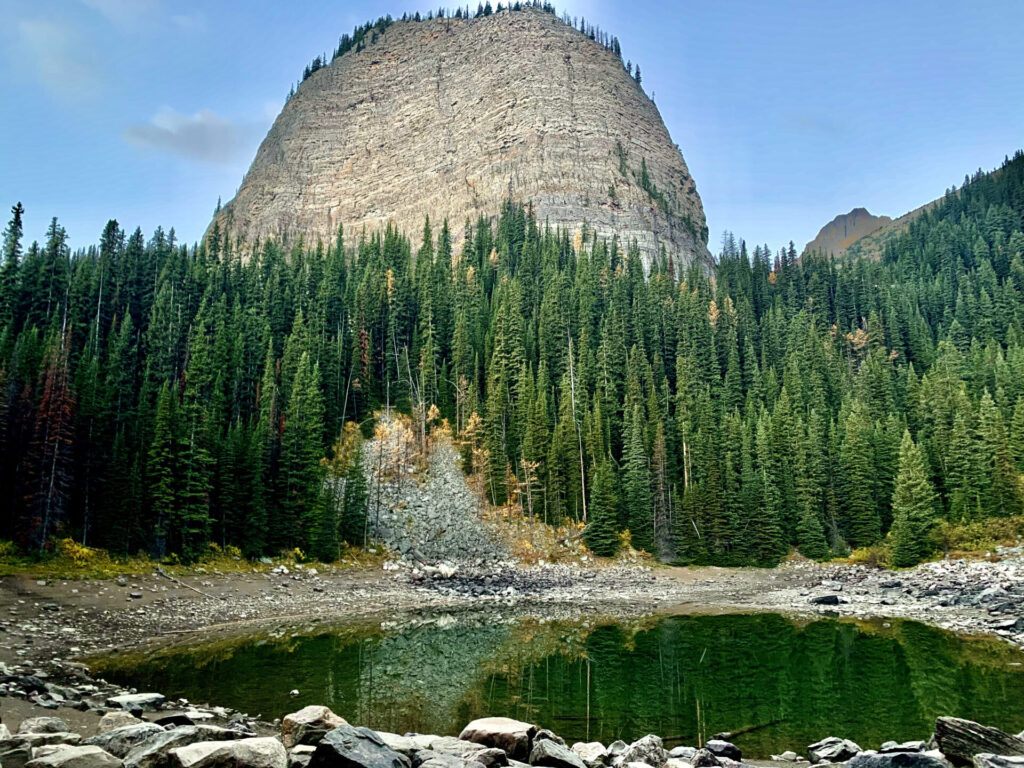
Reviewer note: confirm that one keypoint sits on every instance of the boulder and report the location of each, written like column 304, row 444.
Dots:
column 403, row 744
column 308, row 725
column 985, row 760
column 960, row 740
column 722, row 748
column 906, row 746
column 682, row 753
column 438, row 760
column 348, row 747
column 298, row 757
column 85, row 756
column 590, row 752
column 647, row 750
column 130, row 702
column 554, row 755
column 14, row 753
column 265, row 752
column 825, row 600
column 833, row 750
column 120, row 741
column 544, row 733
column 678, row 762
column 43, row 725
column 490, row 758
column 152, row 753
column 704, row 759
column 898, row 760
column 117, row 719
column 513, row 736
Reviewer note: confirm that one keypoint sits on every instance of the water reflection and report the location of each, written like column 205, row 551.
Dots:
column 782, row 683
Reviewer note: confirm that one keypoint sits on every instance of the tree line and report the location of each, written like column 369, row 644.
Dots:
column 158, row 396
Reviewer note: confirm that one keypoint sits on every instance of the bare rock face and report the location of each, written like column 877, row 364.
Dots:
column 844, row 230
column 450, row 118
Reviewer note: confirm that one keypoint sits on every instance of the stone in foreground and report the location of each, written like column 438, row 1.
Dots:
column 117, row 719
column 43, row 725
column 309, row 725
column 152, row 753
column 349, row 747
column 647, row 750
column 899, row 760
column 76, row 757
column 590, row 752
column 554, row 755
column 120, row 741
column 722, row 748
column 513, row 736
column 985, row 760
column 262, row 752
column 147, row 702
column 960, row 740
column 832, row 749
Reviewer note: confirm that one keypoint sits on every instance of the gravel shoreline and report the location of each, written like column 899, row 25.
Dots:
column 42, row 619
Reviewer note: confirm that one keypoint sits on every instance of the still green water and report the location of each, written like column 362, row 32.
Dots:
column 682, row 677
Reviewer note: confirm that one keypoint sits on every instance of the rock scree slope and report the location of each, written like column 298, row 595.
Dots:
column 452, row 117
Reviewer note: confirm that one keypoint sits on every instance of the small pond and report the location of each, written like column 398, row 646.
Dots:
column 782, row 683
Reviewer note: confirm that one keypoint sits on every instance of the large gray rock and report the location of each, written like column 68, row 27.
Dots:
column 985, row 760
column 299, row 757
column 152, row 753
column 261, row 752
column 404, row 744
column 147, row 702
column 14, row 753
column 590, row 752
column 490, row 758
column 833, row 750
column 348, row 747
column 550, row 753
column 682, row 753
column 308, row 725
column 43, row 725
column 513, row 736
column 898, row 760
column 704, row 759
column 648, row 750
column 960, row 740
column 117, row 719
column 722, row 748
column 906, row 746
column 438, row 760
column 69, row 756
column 120, row 741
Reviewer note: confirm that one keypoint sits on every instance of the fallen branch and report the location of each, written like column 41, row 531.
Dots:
column 181, row 583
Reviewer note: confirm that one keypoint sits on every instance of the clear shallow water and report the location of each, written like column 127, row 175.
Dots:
column 682, row 677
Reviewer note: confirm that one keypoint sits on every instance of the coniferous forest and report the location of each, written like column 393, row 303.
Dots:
column 158, row 396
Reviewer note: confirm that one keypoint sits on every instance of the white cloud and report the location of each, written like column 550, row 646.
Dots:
column 124, row 13
column 190, row 23
column 204, row 137
column 59, row 58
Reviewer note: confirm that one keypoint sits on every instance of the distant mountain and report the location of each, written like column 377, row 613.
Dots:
column 844, row 230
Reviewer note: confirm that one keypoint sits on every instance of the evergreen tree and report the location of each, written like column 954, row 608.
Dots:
column 913, row 504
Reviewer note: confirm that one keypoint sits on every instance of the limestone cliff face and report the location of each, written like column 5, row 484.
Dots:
column 451, row 117
column 844, row 230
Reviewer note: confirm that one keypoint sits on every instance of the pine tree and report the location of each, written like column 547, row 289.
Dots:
column 637, row 485
column 600, row 533
column 913, row 504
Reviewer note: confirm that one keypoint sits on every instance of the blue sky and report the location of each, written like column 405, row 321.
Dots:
column 787, row 113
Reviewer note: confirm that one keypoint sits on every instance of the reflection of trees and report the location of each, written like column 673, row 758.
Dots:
column 684, row 678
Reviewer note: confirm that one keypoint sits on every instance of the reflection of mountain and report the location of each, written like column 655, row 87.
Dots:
column 684, row 677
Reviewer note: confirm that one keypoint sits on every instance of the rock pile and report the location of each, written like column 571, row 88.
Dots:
column 431, row 519
column 976, row 595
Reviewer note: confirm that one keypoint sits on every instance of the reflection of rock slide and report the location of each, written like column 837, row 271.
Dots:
column 398, row 691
